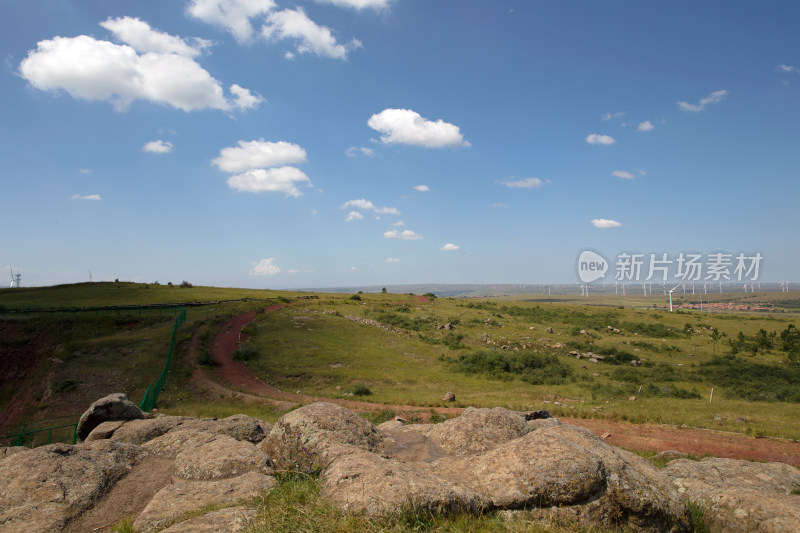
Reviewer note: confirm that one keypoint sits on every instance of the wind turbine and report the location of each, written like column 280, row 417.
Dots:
column 670, row 296
column 90, row 276
column 12, row 278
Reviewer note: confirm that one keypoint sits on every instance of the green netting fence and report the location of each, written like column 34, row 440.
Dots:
column 69, row 432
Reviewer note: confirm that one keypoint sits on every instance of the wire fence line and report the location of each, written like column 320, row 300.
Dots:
column 69, row 432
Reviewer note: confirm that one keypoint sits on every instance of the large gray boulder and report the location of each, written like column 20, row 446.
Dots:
column 566, row 472
column 366, row 483
column 310, row 437
column 478, row 430
column 740, row 496
column 44, row 488
column 115, row 406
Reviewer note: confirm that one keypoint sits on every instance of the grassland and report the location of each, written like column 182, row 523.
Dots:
column 389, row 348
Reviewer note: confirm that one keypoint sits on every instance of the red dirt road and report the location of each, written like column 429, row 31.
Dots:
column 631, row 436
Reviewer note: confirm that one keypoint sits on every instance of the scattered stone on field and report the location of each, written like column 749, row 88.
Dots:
column 230, row 520
column 183, row 496
column 740, row 496
column 632, row 398
column 115, row 406
column 592, row 359
column 717, row 417
column 46, row 487
column 449, row 397
column 584, row 332
column 636, row 362
column 548, row 330
column 742, row 419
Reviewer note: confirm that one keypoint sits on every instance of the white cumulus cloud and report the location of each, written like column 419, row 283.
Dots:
column 409, row 127
column 243, row 99
column 353, row 215
column 398, row 224
column 450, row 247
column 281, row 179
column 158, row 147
column 366, row 205
column 646, row 126
column 612, row 116
column 422, row 188
column 713, row 98
column 406, row 235
column 143, row 38
column 390, row 260
column 157, row 67
column 248, row 155
column 94, row 197
column 311, row 37
column 623, row 174
column 595, row 138
column 788, row 69
column 604, row 223
column 265, row 267
column 233, row 15
column 524, row 183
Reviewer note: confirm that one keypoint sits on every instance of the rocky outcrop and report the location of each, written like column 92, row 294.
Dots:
column 115, row 406
column 740, row 496
column 487, row 460
column 44, row 488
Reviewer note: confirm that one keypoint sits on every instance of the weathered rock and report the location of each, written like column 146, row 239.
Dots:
column 304, row 438
column 572, row 474
column 141, row 431
column 478, row 430
column 364, row 482
column 174, row 442
column 44, row 488
column 449, row 397
column 548, row 330
column 8, row 451
column 230, row 520
column 223, row 457
column 183, row 496
column 740, row 496
column 670, row 455
column 543, row 423
column 115, row 406
column 104, row 431
column 243, row 427
column 394, row 423
column 409, row 444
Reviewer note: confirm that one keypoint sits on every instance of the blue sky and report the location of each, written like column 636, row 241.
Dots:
column 309, row 143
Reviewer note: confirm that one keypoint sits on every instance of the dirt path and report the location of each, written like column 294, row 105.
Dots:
column 631, row 436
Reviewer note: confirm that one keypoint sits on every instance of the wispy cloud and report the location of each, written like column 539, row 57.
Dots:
column 612, row 116
column 353, row 215
column 355, row 150
column 524, row 183
column 596, row 138
column 233, row 15
column 406, row 235
column 788, row 69
column 93, row 197
column 713, row 98
column 604, row 223
column 391, row 260
column 623, row 174
column 366, row 205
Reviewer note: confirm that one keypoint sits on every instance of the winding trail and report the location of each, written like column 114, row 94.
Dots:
column 236, row 375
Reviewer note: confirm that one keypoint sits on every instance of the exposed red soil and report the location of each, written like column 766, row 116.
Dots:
column 630, row 436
